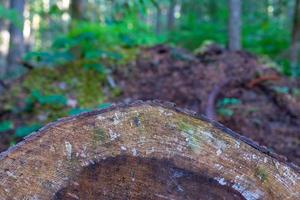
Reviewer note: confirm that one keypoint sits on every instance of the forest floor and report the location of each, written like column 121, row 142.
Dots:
column 234, row 88
column 231, row 87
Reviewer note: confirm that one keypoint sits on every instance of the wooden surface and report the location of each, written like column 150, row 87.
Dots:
column 143, row 151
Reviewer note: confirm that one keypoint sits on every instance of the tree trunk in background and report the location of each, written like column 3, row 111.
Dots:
column 291, row 9
column 213, row 10
column 16, row 41
column 158, row 16
column 295, row 38
column 158, row 21
column 171, row 11
column 3, row 27
column 234, row 26
column 77, row 9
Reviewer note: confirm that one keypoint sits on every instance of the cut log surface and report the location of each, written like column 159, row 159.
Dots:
column 145, row 150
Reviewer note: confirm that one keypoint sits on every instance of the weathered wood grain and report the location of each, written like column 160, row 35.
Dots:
column 143, row 150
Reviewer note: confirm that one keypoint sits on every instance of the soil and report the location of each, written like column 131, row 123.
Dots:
column 234, row 88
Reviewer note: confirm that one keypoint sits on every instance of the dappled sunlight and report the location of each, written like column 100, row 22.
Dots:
column 4, row 42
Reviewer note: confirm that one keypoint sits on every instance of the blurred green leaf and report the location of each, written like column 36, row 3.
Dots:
column 26, row 130
column 54, row 10
column 95, row 66
column 6, row 125
column 76, row 111
column 296, row 92
column 282, row 90
column 36, row 96
column 228, row 101
column 65, row 43
column 104, row 105
column 11, row 15
column 226, row 112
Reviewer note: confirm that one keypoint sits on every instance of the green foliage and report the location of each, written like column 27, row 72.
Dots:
column 76, row 111
column 26, row 130
column 127, row 33
column 6, row 125
column 267, row 37
column 83, row 85
column 282, row 90
column 226, row 112
column 228, row 101
column 192, row 35
column 261, row 34
column 42, row 58
column 261, row 174
column 270, row 39
column 73, row 59
column 36, row 97
column 104, row 105
column 112, row 30
column 47, row 99
column 11, row 15
column 224, row 106
column 96, row 46
column 296, row 92
column 96, row 67
column 262, row 37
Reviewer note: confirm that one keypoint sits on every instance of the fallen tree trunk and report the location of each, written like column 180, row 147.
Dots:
column 143, row 150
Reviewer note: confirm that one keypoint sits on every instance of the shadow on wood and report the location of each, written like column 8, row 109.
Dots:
column 143, row 151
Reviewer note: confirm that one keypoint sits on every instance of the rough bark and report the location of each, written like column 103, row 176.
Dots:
column 143, row 150
column 234, row 25
column 295, row 37
column 16, row 41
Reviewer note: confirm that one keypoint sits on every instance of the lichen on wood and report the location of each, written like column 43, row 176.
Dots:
column 145, row 149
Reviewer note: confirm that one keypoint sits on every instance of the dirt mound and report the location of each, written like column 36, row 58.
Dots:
column 231, row 87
